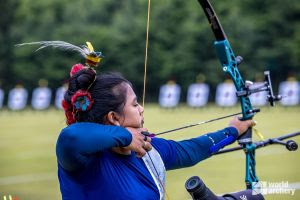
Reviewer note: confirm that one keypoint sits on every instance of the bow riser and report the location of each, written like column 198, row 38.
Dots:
column 250, row 177
column 229, row 64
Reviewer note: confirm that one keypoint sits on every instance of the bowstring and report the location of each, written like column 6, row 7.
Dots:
column 146, row 52
column 144, row 90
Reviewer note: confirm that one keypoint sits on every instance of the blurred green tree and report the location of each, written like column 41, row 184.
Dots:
column 265, row 33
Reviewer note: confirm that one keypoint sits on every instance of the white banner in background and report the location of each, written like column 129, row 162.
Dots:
column 17, row 98
column 197, row 95
column 226, row 95
column 1, row 98
column 60, row 92
column 41, row 98
column 290, row 91
column 169, row 95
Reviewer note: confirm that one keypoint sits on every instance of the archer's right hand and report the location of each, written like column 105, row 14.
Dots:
column 140, row 143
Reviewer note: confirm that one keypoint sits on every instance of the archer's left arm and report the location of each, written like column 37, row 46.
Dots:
column 187, row 153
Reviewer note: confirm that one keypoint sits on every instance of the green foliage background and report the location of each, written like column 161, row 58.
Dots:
column 266, row 33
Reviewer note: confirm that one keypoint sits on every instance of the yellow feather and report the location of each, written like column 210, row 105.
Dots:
column 90, row 46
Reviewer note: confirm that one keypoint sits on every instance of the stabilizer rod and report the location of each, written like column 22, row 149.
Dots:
column 290, row 145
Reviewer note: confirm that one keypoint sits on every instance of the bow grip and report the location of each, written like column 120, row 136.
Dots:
column 247, row 136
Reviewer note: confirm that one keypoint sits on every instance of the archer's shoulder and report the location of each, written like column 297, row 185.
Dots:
column 85, row 125
column 77, row 129
column 90, row 126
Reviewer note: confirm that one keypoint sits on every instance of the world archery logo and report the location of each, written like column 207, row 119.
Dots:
column 264, row 188
column 257, row 187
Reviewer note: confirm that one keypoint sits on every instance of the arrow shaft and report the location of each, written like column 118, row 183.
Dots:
column 199, row 123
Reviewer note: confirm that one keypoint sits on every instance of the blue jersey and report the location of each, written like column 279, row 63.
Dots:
column 89, row 170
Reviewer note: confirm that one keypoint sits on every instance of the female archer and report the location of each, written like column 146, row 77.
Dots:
column 102, row 153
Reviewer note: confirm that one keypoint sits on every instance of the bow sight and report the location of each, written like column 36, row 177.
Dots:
column 266, row 86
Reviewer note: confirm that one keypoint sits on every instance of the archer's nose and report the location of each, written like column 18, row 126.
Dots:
column 141, row 109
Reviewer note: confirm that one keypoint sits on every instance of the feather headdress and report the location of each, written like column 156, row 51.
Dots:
column 87, row 51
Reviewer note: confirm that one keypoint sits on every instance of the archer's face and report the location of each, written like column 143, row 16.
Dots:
column 132, row 115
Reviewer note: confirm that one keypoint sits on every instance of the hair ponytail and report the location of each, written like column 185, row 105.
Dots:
column 77, row 98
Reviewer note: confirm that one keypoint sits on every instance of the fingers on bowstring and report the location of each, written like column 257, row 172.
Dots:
column 147, row 146
column 141, row 152
column 147, row 139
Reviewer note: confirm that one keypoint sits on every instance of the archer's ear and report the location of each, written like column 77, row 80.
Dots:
column 113, row 118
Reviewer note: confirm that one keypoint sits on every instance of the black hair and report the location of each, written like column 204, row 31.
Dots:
column 107, row 90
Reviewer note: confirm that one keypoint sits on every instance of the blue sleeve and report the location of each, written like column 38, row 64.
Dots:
column 78, row 143
column 187, row 153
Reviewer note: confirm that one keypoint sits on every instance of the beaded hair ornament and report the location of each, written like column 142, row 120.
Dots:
column 81, row 101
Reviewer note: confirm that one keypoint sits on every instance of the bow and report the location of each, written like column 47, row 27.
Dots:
column 230, row 66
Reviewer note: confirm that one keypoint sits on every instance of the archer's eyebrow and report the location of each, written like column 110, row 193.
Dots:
column 135, row 99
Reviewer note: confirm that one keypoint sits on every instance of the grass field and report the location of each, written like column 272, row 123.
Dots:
column 28, row 163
